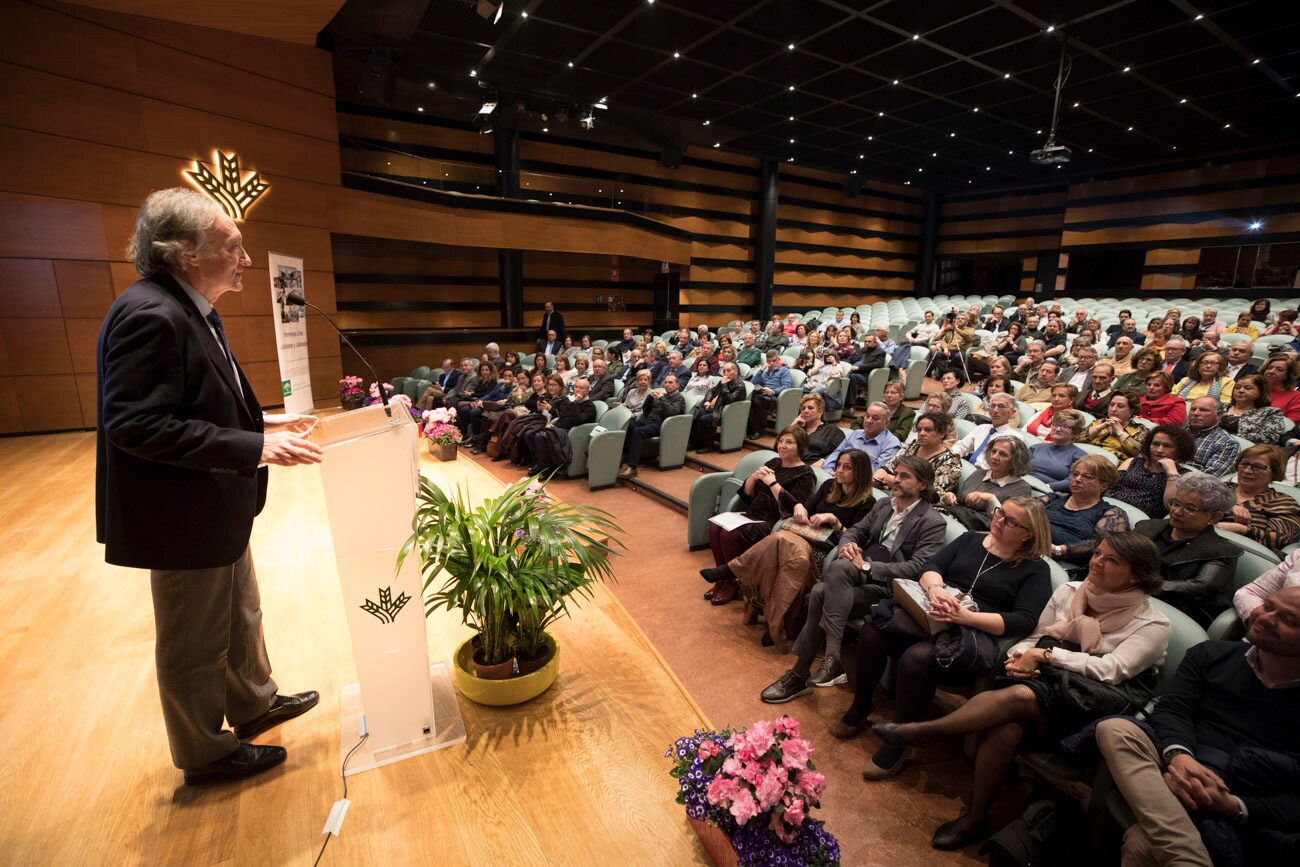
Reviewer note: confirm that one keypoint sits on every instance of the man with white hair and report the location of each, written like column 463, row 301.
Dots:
column 1175, row 363
column 672, row 367
column 1216, row 450
column 181, row 448
column 1080, row 321
column 749, row 352
column 492, row 355
column 1002, row 410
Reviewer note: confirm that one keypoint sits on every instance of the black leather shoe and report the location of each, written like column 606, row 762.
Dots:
column 958, row 834
column 284, row 707
column 246, row 761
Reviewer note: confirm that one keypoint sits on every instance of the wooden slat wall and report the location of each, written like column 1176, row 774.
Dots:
column 711, row 195
column 832, row 249
column 99, row 110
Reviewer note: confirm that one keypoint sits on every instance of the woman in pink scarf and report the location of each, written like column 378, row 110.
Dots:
column 1103, row 629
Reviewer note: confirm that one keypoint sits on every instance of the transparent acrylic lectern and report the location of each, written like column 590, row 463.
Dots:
column 370, row 477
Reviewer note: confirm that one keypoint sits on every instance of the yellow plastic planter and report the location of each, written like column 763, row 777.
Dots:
column 501, row 693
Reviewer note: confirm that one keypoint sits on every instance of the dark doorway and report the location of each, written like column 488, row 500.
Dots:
column 985, row 276
column 1109, row 271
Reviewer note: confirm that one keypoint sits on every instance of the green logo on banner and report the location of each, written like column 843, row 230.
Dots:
column 286, row 388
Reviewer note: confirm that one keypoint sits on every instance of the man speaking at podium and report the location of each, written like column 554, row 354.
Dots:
column 181, row 441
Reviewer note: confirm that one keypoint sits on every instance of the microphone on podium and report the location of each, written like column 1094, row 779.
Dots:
column 297, row 298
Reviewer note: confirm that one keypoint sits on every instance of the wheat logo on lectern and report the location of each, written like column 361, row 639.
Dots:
column 388, row 608
column 235, row 196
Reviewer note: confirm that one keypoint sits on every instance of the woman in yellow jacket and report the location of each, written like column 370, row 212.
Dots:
column 1206, row 379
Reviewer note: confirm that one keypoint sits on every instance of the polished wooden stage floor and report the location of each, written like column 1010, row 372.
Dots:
column 575, row 777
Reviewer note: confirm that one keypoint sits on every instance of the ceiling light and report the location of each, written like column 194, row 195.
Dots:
column 791, row 117
column 602, row 102
column 1038, row 132
column 935, row 154
column 1051, row 27
column 976, row 108
column 1130, row 129
column 952, row 135
column 473, row 73
column 707, row 122
column 432, row 85
column 789, row 159
column 1008, row 75
column 854, row 172
column 1256, row 226
column 1089, row 150
column 862, row 156
column 1227, row 125
column 1253, row 62
column 919, row 169
column 1182, row 101
column 546, row 129
column 676, row 55
column 1198, row 17
column 882, row 114
column 419, row 108
column 871, row 138
column 988, row 168
column 792, row 88
column 1011, row 153
column 1076, row 105
column 1175, row 147
column 907, row 183
column 1127, row 68
column 523, row 14
column 791, row 141
column 570, row 64
column 790, row 46
column 895, row 81
column 717, row 144
column 915, row 36
column 695, row 96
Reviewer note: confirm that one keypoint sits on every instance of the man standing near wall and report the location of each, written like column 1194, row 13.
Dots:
column 552, row 320
column 181, row 444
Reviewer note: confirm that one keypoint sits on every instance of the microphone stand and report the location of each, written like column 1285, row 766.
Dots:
column 295, row 298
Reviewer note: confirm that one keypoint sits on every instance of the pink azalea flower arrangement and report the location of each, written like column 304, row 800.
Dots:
column 759, row 785
column 440, row 426
column 769, row 772
column 350, row 387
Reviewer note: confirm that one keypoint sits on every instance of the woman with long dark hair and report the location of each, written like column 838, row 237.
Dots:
column 1147, row 481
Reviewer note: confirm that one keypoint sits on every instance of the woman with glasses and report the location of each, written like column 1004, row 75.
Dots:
column 1206, row 379
column 1197, row 563
column 1002, row 572
column 1117, row 432
column 1251, row 414
column 985, row 490
column 1145, row 362
column 1269, row 517
column 1103, row 628
column 1147, row 481
column 1050, row 461
column 929, row 444
column 1078, row 517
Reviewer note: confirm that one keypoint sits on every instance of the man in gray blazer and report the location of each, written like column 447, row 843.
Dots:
column 602, row 381
column 894, row 540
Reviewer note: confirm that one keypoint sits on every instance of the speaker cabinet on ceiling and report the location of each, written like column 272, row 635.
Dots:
column 379, row 80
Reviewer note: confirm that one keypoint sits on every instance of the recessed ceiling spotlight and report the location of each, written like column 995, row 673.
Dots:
column 1076, row 105
column 1127, row 68
column 988, row 168
column 676, row 55
column 854, row 172
column 717, row 144
column 1051, row 27
column 791, row 117
column 1089, row 150
column 915, row 36
column 473, row 73
column 419, row 108
column 1182, row 101
column 790, row 46
column 907, row 183
column 970, row 182
column 1008, row 75
column 523, row 14
column 570, row 64
column 1010, row 153
column 862, row 156
column 546, row 129
column 1253, row 62
column 791, row 141
column 695, row 96
column 1175, row 147
column 871, row 138
column 1198, row 17
column 707, row 122
column 1038, row 132
column 432, row 85
column 895, row 81
column 789, row 159
column 976, row 109
column 1227, row 125
column 1256, row 226
column 934, row 154
column 792, row 88
column 952, row 135
column 920, row 169
column 1130, row 129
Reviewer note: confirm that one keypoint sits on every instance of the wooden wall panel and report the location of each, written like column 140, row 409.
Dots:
column 99, row 109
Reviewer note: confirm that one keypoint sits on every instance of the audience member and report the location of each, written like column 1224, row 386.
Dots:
column 1002, row 572
column 708, row 412
column 901, row 416
column 635, row 395
column 702, row 380
column 1061, row 397
column 1286, row 574
column 1269, row 517
column 1096, row 400
column 548, row 447
column 662, row 404
column 952, row 381
column 1158, row 405
column 874, row 438
column 1197, row 562
column 983, row 491
column 929, row 443
column 896, row 538
column 1146, row 361
column 1216, row 450
column 1207, row 781
column 776, row 574
column 1002, row 411
column 1206, row 379
column 1282, row 386
column 1102, row 629
column 1050, row 461
column 1147, row 481
column 823, row 437
column 1079, row 516
column 768, row 381
column 871, row 358
column 1251, row 415
column 1117, row 433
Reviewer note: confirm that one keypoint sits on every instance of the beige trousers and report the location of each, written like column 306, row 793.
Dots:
column 210, row 657
column 1164, row 834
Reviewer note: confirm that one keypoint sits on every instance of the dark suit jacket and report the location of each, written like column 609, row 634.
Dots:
column 447, row 380
column 919, row 537
column 544, row 348
column 870, row 359
column 178, row 439
column 1246, row 369
column 602, row 387
column 556, row 324
column 1179, row 372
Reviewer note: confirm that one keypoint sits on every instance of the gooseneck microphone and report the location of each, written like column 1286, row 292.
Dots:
column 297, row 298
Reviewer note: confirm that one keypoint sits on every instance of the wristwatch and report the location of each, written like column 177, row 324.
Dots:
column 866, row 566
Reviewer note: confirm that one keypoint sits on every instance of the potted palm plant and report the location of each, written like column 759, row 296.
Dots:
column 510, row 566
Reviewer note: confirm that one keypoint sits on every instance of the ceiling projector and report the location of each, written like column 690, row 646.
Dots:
column 1050, row 154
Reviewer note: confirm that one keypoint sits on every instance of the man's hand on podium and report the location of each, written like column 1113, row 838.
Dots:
column 287, row 449
column 288, row 421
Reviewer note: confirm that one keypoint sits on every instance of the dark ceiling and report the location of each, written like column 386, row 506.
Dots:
column 936, row 92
